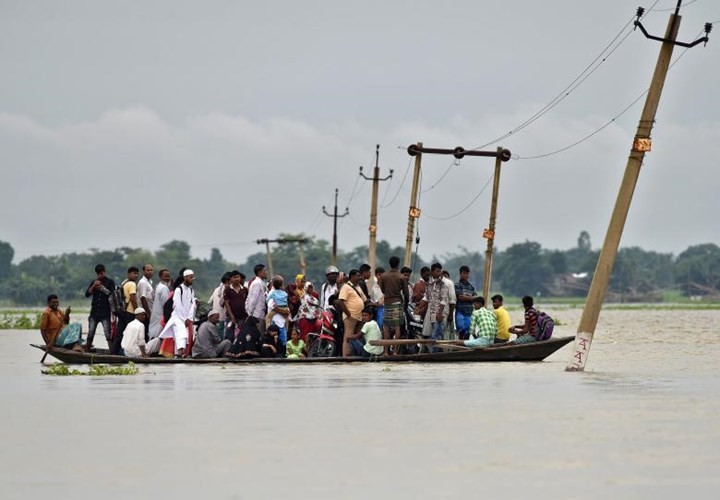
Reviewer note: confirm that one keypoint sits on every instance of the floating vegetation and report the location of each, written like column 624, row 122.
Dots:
column 94, row 371
column 11, row 320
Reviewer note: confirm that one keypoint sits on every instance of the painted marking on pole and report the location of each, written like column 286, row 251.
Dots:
column 580, row 352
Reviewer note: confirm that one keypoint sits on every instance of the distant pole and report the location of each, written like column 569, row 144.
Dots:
column 414, row 210
column 490, row 232
column 335, row 217
column 372, row 229
column 303, row 266
column 282, row 241
column 269, row 258
column 641, row 144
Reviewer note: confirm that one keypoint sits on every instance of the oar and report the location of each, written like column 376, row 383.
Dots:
column 47, row 350
column 386, row 342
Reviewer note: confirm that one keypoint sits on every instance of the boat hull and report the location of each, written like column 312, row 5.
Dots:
column 535, row 351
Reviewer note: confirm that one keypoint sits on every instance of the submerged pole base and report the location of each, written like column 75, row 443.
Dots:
column 581, row 349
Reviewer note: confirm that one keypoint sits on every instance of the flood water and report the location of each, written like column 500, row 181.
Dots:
column 641, row 422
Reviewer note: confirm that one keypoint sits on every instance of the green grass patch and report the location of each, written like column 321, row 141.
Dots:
column 63, row 370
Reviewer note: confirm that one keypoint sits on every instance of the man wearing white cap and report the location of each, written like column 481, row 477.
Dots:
column 182, row 315
column 133, row 341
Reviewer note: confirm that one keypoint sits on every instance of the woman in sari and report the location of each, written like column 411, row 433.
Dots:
column 309, row 312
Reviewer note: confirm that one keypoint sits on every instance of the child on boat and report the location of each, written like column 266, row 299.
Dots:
column 296, row 347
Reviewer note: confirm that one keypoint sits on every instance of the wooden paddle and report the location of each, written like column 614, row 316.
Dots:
column 47, row 350
column 386, row 342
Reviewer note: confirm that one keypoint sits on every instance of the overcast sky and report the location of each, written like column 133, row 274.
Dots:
column 221, row 122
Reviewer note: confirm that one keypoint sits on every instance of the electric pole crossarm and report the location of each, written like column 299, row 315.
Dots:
column 705, row 39
column 335, row 217
column 459, row 152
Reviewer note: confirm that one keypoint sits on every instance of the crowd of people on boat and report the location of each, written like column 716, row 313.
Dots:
column 366, row 315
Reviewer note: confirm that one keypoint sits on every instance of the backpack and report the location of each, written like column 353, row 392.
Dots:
column 117, row 300
column 545, row 326
column 168, row 306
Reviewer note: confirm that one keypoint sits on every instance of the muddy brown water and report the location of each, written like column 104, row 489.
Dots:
column 641, row 422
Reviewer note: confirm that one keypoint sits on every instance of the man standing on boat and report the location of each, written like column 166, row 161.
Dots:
column 452, row 300
column 255, row 304
column 437, row 298
column 352, row 302
column 183, row 313
column 146, row 294
column 329, row 288
column 100, row 290
column 234, row 297
column 394, row 288
column 162, row 292
column 465, row 294
column 129, row 289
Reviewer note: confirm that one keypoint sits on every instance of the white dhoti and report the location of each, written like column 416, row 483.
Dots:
column 175, row 328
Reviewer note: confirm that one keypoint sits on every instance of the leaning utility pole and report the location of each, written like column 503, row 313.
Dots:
column 414, row 211
column 373, row 211
column 335, row 217
column 500, row 155
column 641, row 145
column 282, row 241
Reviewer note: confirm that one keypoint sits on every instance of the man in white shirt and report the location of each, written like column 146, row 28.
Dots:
column 133, row 341
column 162, row 292
column 256, row 303
column 452, row 300
column 146, row 293
column 182, row 315
column 329, row 287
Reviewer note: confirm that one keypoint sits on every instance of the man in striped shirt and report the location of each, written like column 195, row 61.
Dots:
column 527, row 332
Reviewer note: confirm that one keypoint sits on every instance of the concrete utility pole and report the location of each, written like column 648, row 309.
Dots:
column 335, row 217
column 282, row 241
column 489, row 233
column 372, row 229
column 414, row 211
column 641, row 145
column 500, row 155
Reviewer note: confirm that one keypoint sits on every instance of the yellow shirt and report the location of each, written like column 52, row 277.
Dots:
column 354, row 299
column 503, row 323
column 129, row 288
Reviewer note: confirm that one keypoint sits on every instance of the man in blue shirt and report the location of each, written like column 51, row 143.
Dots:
column 465, row 293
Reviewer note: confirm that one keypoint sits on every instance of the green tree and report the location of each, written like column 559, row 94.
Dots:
column 523, row 269
column 6, row 256
column 697, row 270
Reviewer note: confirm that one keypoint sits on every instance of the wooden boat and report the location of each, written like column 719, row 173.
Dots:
column 536, row 351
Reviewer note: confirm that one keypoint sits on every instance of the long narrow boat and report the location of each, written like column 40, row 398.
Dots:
column 536, row 351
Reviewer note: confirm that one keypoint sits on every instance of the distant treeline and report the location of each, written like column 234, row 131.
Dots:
column 523, row 268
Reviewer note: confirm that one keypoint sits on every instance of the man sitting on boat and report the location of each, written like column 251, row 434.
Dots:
column 207, row 342
column 359, row 343
column 133, row 341
column 527, row 331
column 483, row 326
column 55, row 326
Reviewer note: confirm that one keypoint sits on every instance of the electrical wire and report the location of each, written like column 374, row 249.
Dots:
column 477, row 196
column 603, row 127
column 454, row 163
column 673, row 8
column 382, row 205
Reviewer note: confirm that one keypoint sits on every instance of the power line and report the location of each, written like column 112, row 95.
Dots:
column 673, row 8
column 477, row 196
column 447, row 171
column 607, row 124
column 399, row 187
column 572, row 86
